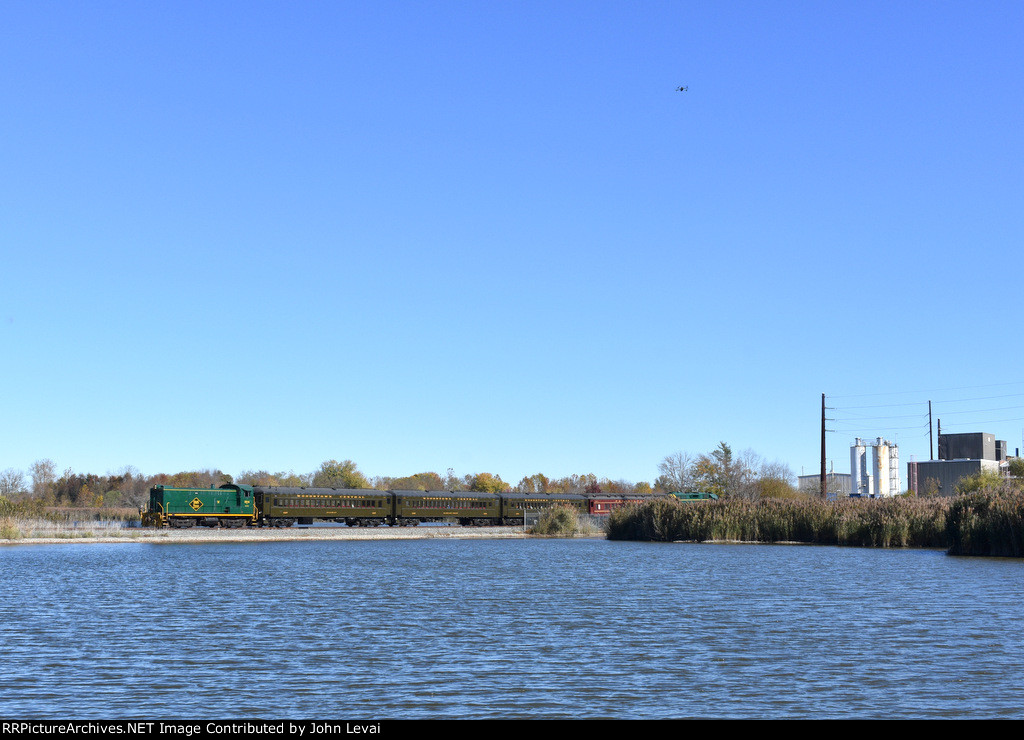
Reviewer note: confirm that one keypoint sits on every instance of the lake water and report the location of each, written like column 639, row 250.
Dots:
column 421, row 629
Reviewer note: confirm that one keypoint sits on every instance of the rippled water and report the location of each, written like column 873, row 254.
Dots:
column 506, row 629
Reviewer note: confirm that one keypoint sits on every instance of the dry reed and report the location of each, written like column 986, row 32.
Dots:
column 895, row 522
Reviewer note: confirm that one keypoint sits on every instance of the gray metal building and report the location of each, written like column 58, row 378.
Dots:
column 960, row 456
column 941, row 476
column 969, row 446
column 836, row 484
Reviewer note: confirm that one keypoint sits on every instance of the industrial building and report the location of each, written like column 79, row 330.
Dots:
column 872, row 475
column 960, row 456
column 836, row 484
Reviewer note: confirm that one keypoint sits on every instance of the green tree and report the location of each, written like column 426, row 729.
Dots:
column 334, row 474
column 989, row 481
column 1015, row 467
column 711, row 473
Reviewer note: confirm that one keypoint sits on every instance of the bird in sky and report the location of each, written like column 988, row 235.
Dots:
column 682, row 89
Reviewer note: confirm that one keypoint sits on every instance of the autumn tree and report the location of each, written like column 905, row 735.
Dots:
column 452, row 482
column 280, row 478
column 775, row 480
column 573, row 483
column 536, row 483
column 711, row 472
column 257, row 478
column 488, row 483
column 44, row 473
column 197, row 479
column 619, row 487
column 428, row 481
column 75, row 489
column 725, row 474
column 334, row 474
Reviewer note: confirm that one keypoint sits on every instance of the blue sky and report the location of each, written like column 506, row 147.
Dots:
column 494, row 237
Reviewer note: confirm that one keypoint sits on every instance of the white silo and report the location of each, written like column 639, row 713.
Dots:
column 894, row 470
column 880, row 481
column 859, row 476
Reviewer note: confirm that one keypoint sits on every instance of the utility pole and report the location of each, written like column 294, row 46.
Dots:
column 823, row 496
column 931, row 446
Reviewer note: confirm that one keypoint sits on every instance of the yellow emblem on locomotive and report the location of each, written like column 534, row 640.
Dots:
column 196, row 504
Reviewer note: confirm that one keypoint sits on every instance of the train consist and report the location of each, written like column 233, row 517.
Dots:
column 236, row 505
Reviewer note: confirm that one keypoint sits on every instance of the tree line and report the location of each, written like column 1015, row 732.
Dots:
column 720, row 472
column 727, row 475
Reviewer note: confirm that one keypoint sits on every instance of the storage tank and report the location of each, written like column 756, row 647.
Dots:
column 859, row 476
column 880, row 472
column 894, row 471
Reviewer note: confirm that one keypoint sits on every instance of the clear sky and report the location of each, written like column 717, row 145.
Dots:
column 493, row 236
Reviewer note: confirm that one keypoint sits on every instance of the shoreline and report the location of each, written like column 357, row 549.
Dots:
column 196, row 535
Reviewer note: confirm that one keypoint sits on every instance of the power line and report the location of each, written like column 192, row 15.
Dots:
column 979, row 398
column 918, row 403
column 989, row 421
column 933, row 390
column 982, row 411
column 874, row 430
column 877, row 406
column 898, row 416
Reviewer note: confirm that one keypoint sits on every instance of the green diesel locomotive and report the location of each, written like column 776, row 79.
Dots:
column 230, row 505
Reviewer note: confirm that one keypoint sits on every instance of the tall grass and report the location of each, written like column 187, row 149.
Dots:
column 30, row 519
column 9, row 529
column 893, row 522
column 561, row 521
column 987, row 523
